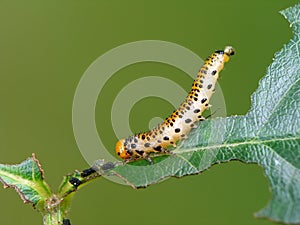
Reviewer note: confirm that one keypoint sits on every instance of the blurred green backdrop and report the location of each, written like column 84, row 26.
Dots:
column 47, row 46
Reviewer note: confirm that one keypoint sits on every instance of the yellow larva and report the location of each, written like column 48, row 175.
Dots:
column 182, row 120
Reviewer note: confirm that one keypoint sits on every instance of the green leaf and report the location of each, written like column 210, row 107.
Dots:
column 269, row 135
column 67, row 190
column 27, row 178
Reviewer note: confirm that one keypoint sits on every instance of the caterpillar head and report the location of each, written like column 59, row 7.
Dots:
column 120, row 149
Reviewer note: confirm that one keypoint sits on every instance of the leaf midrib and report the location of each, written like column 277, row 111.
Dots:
column 23, row 182
column 253, row 141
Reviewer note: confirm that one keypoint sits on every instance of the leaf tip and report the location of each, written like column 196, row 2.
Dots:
column 38, row 165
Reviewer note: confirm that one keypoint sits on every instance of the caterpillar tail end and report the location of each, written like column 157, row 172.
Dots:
column 229, row 51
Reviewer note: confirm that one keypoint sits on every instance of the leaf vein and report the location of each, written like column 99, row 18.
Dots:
column 253, row 141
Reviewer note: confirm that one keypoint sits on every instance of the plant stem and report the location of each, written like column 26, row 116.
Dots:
column 54, row 217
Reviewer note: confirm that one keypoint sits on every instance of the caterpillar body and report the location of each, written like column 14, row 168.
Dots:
column 182, row 120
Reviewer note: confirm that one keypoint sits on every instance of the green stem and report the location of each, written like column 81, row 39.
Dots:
column 56, row 208
column 54, row 217
column 54, row 211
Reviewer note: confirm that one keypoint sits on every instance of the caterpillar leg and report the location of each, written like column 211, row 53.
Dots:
column 164, row 152
column 194, row 125
column 148, row 158
column 155, row 154
column 132, row 159
column 129, row 160
column 184, row 137
column 125, row 161
column 168, row 152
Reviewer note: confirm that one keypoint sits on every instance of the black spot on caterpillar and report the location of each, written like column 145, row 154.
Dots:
column 182, row 120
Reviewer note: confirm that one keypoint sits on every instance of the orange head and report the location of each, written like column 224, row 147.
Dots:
column 120, row 150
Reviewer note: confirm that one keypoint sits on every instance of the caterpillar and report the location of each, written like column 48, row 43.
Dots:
column 178, row 125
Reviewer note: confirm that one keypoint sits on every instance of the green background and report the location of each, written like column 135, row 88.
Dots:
column 45, row 47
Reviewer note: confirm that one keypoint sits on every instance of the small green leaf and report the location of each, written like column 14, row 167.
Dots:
column 76, row 180
column 67, row 189
column 27, row 178
column 269, row 135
